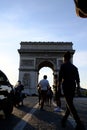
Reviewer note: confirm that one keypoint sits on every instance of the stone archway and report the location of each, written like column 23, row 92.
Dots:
column 46, row 63
column 35, row 55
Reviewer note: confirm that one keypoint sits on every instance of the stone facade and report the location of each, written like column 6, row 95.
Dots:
column 35, row 55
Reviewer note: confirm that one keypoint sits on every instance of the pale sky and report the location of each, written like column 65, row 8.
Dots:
column 40, row 20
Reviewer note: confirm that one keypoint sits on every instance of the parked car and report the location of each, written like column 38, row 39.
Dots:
column 6, row 95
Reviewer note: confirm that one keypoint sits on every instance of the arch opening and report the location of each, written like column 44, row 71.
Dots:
column 45, row 64
column 46, row 68
column 46, row 71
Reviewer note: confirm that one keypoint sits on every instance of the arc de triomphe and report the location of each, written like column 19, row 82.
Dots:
column 35, row 55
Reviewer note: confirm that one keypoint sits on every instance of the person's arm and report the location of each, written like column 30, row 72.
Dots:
column 60, row 76
column 60, row 80
column 78, row 83
column 48, row 84
column 39, row 86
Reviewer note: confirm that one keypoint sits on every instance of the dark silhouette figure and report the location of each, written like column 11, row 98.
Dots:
column 39, row 93
column 57, row 94
column 44, row 85
column 69, row 77
column 19, row 96
column 49, row 96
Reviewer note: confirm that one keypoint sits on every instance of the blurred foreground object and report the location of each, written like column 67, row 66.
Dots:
column 81, row 8
column 6, row 95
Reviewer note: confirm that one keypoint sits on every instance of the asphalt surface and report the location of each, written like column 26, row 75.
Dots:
column 38, row 119
column 30, row 117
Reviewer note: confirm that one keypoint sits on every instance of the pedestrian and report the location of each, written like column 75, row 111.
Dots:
column 44, row 85
column 49, row 96
column 69, row 77
column 19, row 96
column 39, row 93
column 57, row 94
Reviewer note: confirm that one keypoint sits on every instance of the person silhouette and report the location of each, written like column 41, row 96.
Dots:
column 44, row 85
column 57, row 94
column 49, row 96
column 69, row 78
column 39, row 93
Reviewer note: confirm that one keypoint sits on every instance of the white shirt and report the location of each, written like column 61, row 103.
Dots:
column 44, row 84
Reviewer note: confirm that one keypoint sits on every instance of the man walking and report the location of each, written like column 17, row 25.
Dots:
column 44, row 85
column 69, row 77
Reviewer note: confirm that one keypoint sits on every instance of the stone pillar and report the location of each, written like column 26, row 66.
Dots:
column 33, row 85
column 29, row 80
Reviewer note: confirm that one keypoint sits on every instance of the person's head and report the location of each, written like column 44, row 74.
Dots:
column 19, row 82
column 67, row 56
column 45, row 76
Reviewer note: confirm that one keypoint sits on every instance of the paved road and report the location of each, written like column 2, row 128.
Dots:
column 26, row 118
column 18, row 114
column 81, row 105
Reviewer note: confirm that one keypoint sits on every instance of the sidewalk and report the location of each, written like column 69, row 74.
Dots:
column 43, row 120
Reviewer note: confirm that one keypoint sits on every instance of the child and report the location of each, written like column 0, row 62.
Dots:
column 49, row 95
